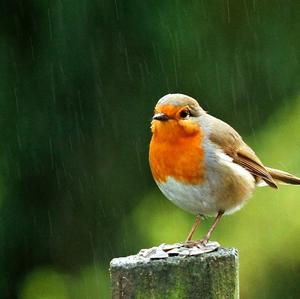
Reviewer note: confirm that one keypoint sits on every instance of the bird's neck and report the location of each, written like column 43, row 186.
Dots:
column 174, row 132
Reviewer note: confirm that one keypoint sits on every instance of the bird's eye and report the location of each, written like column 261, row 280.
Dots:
column 184, row 113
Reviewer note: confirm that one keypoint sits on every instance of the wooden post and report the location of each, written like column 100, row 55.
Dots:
column 209, row 275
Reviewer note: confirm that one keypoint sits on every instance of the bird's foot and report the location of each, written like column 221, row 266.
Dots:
column 195, row 243
column 187, row 248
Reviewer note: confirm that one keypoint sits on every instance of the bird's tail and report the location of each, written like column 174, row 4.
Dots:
column 283, row 177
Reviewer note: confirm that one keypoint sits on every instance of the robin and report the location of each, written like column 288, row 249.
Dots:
column 202, row 164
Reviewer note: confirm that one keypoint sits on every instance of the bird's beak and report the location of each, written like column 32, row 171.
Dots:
column 160, row 116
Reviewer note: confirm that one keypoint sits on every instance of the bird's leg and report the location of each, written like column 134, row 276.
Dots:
column 194, row 227
column 205, row 240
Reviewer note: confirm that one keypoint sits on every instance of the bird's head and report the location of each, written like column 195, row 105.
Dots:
column 176, row 114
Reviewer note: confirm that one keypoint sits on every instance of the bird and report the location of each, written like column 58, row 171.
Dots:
column 202, row 165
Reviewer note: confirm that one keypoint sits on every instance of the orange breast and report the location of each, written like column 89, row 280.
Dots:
column 176, row 152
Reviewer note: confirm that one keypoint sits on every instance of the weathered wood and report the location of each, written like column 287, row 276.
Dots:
column 209, row 275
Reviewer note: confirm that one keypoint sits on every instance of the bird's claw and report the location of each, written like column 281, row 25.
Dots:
column 195, row 243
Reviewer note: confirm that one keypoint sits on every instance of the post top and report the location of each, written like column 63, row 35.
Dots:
column 134, row 261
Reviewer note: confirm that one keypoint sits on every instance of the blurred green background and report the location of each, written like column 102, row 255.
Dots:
column 79, row 80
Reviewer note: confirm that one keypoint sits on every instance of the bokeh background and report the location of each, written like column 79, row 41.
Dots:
column 79, row 80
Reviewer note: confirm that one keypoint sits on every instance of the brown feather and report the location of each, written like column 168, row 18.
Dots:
column 255, row 168
column 233, row 145
column 283, row 176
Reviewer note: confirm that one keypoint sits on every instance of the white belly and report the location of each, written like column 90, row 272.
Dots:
column 226, row 187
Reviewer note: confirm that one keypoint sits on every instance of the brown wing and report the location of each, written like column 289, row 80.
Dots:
column 250, row 162
column 233, row 145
